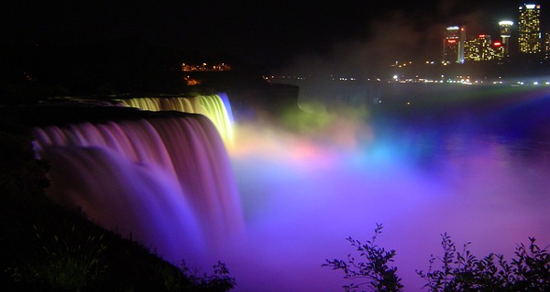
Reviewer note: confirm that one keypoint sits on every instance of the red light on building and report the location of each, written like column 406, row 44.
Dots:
column 481, row 36
column 451, row 41
column 497, row 44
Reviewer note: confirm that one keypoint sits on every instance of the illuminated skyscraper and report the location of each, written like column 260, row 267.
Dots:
column 529, row 37
column 482, row 48
column 453, row 44
column 505, row 34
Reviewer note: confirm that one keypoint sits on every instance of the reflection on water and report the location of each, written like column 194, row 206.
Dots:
column 475, row 167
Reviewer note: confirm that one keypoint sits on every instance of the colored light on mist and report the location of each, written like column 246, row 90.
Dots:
column 333, row 172
column 417, row 181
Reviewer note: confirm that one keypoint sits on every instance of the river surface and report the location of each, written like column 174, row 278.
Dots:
column 473, row 162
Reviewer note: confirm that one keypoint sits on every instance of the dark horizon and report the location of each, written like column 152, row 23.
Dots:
column 64, row 48
column 267, row 34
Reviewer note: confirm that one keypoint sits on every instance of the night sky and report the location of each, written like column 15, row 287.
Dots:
column 273, row 33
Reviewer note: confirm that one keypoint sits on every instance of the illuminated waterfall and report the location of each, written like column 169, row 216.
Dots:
column 167, row 181
column 215, row 107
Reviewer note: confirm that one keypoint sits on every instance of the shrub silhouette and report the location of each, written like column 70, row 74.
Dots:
column 462, row 271
column 375, row 270
column 529, row 270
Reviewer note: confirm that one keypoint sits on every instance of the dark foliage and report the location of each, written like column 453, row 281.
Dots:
column 219, row 281
column 460, row 271
column 21, row 174
column 375, row 270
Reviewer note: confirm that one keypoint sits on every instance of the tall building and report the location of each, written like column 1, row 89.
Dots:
column 505, row 34
column 482, row 48
column 453, row 44
column 529, row 37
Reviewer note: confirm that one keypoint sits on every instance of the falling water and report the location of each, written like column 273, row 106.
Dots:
column 167, row 181
column 215, row 106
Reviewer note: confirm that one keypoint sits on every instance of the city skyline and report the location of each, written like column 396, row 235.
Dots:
column 360, row 39
column 270, row 33
column 523, row 36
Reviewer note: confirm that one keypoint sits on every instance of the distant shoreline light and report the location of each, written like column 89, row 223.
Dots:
column 205, row 67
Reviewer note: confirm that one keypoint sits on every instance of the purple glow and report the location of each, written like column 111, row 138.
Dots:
column 302, row 192
column 303, row 195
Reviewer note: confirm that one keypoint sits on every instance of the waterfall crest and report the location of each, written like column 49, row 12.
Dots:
column 216, row 107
